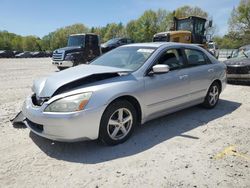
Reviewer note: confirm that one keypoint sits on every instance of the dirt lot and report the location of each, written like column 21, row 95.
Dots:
column 191, row 148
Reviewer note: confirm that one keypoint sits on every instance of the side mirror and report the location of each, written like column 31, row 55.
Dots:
column 210, row 23
column 159, row 69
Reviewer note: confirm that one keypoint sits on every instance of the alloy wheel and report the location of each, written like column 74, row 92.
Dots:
column 213, row 95
column 119, row 124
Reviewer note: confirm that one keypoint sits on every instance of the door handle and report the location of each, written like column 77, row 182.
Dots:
column 210, row 70
column 183, row 77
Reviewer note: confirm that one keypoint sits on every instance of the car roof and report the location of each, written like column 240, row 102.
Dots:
column 160, row 44
column 246, row 47
column 82, row 34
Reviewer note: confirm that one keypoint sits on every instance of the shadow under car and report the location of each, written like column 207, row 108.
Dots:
column 144, row 137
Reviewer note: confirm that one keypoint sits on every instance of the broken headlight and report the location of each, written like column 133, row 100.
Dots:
column 71, row 103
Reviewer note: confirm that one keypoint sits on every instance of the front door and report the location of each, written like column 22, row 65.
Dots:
column 168, row 90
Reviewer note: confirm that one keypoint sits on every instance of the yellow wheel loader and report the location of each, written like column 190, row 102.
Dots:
column 185, row 30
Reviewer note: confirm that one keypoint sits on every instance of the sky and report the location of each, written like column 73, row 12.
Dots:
column 39, row 17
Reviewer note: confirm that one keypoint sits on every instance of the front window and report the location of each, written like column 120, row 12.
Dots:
column 171, row 58
column 130, row 58
column 241, row 54
column 77, row 40
column 185, row 25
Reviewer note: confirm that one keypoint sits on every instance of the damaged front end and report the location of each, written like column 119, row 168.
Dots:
column 66, row 81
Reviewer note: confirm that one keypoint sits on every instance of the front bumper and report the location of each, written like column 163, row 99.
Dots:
column 238, row 77
column 238, row 72
column 66, row 127
column 63, row 63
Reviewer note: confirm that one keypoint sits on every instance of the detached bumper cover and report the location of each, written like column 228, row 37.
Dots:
column 68, row 127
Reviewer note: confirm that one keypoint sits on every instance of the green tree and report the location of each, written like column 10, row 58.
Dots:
column 131, row 30
column 187, row 11
column 5, row 40
column 164, row 20
column 114, row 30
column 45, row 43
column 147, row 26
column 17, row 43
column 30, row 43
column 240, row 17
column 239, row 27
column 59, row 38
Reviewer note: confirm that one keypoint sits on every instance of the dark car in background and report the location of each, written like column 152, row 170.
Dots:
column 238, row 65
column 114, row 43
column 48, row 54
column 24, row 55
column 6, row 54
column 16, row 52
column 38, row 54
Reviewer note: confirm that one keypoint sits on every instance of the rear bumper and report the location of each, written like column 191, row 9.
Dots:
column 63, row 63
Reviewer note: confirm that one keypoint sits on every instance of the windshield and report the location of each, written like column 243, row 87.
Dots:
column 241, row 54
column 185, row 25
column 130, row 58
column 111, row 41
column 78, row 40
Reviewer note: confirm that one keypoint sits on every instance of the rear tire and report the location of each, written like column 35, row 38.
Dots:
column 118, row 122
column 212, row 96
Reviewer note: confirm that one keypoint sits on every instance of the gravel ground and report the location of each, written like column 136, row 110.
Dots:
column 191, row 148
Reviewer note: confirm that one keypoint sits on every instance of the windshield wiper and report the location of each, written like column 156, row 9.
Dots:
column 245, row 54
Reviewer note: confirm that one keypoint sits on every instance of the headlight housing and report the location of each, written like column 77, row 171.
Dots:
column 71, row 103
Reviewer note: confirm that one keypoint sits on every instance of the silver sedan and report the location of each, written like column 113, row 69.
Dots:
column 125, row 87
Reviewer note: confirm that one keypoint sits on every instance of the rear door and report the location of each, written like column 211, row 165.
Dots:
column 200, row 71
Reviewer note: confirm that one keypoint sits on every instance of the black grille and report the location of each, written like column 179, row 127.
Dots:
column 37, row 101
column 36, row 127
column 238, row 69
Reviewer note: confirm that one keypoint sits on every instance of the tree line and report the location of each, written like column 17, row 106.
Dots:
column 239, row 27
column 140, row 30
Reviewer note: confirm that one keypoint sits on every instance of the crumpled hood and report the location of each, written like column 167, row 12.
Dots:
column 46, row 87
column 237, row 62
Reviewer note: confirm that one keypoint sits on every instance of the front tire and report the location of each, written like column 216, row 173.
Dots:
column 61, row 68
column 212, row 96
column 118, row 122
